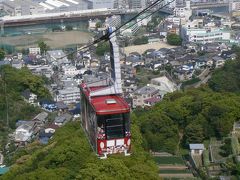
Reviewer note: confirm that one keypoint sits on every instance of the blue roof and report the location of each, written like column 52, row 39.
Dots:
column 4, row 170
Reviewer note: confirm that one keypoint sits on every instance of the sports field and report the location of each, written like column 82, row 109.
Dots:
column 52, row 39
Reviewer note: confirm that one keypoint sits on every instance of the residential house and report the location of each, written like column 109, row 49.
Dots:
column 142, row 94
column 24, row 132
column 44, row 136
column 48, row 106
column 34, row 50
column 57, row 57
column 70, row 70
column 196, row 149
column 218, row 61
column 151, row 101
column 134, row 60
column 18, row 64
column 63, row 119
column 41, row 118
column 29, row 97
column 5, row 62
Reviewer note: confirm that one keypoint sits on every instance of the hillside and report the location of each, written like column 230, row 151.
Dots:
column 69, row 156
column 12, row 106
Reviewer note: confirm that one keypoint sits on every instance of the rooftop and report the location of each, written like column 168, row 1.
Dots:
column 196, row 146
column 146, row 90
column 109, row 104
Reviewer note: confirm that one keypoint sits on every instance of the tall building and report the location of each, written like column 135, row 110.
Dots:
column 113, row 21
column 137, row 4
column 99, row 4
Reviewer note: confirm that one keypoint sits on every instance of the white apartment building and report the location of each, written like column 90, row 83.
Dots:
column 69, row 95
column 234, row 6
column 34, row 50
column 205, row 35
column 129, row 29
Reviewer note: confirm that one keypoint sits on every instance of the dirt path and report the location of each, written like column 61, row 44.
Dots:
column 176, row 175
column 172, row 167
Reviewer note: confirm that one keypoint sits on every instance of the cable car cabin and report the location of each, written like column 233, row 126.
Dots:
column 106, row 121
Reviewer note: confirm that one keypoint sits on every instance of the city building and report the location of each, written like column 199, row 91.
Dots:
column 144, row 93
column 55, row 6
column 144, row 19
column 234, row 6
column 205, row 35
column 69, row 95
column 129, row 29
column 98, row 4
column 113, row 21
column 137, row 4
column 29, row 97
column 19, row 7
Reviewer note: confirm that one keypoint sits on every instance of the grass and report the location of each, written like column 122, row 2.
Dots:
column 173, row 160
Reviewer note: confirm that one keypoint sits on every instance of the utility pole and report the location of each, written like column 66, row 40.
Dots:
column 6, row 98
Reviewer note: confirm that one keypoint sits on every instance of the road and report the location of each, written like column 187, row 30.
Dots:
column 204, row 76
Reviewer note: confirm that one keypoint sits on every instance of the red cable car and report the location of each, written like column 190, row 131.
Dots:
column 105, row 113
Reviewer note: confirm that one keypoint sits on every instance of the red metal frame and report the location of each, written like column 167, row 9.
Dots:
column 100, row 107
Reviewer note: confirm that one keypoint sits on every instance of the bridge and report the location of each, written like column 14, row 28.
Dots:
column 11, row 21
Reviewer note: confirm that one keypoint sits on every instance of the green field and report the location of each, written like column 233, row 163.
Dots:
column 169, row 160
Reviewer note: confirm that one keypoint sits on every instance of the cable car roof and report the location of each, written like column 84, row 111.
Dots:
column 107, row 104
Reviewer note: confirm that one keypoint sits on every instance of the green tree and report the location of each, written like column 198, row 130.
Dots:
column 102, row 48
column 2, row 54
column 98, row 24
column 69, row 28
column 43, row 46
column 194, row 133
column 140, row 40
column 174, row 39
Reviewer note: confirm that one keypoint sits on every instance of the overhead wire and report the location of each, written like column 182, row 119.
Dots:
column 107, row 35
